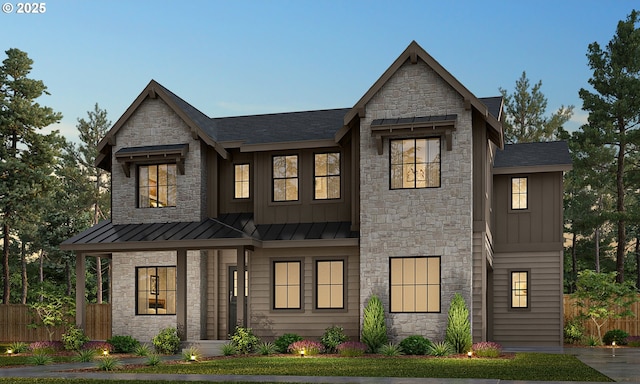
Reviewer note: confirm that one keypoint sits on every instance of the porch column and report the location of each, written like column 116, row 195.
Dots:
column 241, row 266
column 181, row 293
column 81, row 317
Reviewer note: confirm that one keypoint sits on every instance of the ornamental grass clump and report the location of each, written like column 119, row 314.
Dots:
column 487, row 349
column 352, row 348
column 306, row 347
column 391, row 349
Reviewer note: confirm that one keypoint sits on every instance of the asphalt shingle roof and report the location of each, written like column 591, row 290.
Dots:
column 533, row 154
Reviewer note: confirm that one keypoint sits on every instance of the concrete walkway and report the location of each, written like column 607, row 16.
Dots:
column 623, row 364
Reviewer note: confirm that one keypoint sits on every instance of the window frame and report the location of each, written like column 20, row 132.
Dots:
column 157, row 292
column 512, row 194
column 439, row 162
column 300, row 307
column 327, row 177
column 316, row 262
column 248, row 181
column 273, row 179
column 439, row 284
column 527, row 290
column 139, row 185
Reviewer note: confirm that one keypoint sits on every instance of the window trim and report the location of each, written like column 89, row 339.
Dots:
column 273, row 179
column 153, row 154
column 340, row 168
column 511, row 194
column 138, row 185
column 299, row 309
column 136, row 293
column 427, row 138
column 527, row 289
column 344, row 307
column 439, row 258
column 248, row 181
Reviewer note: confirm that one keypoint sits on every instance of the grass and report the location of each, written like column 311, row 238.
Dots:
column 6, row 361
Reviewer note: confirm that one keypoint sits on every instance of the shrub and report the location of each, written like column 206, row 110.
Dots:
column 391, row 349
column 573, row 331
column 19, row 347
column 440, row 349
column 458, row 333
column 283, row 342
column 266, row 348
column 98, row 346
column 487, row 349
column 153, row 360
column 142, row 350
column 633, row 341
column 40, row 358
column 74, row 338
column 374, row 329
column 47, row 346
column 332, row 337
column 415, row 345
column 593, row 341
column 86, row 355
column 244, row 340
column 123, row 344
column 309, row 347
column 167, row 341
column 108, row 363
column 352, row 348
column 617, row 335
column 229, row 349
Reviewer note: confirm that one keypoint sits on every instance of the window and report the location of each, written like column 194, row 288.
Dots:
column 241, row 181
column 327, row 176
column 415, row 284
column 285, row 178
column 156, row 290
column 330, row 284
column 415, row 163
column 518, row 193
column 157, row 186
column 520, row 289
column 287, row 285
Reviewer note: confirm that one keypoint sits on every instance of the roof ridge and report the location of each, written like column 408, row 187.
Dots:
column 281, row 113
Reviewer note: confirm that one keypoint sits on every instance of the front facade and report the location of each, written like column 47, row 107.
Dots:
column 410, row 195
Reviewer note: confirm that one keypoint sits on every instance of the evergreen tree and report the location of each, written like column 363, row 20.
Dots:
column 458, row 333
column 525, row 114
column 25, row 154
column 374, row 328
column 612, row 134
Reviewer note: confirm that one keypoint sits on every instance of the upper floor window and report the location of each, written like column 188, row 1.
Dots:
column 415, row 163
column 285, row 178
column 415, row 284
column 241, row 181
column 519, row 289
column 287, row 284
column 519, row 193
column 156, row 290
column 157, row 185
column 327, row 176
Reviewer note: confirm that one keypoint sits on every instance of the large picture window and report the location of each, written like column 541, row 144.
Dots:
column 287, row 284
column 520, row 289
column 519, row 193
column 330, row 284
column 415, row 163
column 156, row 290
column 327, row 176
column 241, row 181
column 285, row 178
column 415, row 284
column 157, row 186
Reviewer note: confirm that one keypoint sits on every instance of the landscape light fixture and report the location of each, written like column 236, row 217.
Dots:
column 9, row 351
column 105, row 352
column 469, row 354
column 302, row 353
column 613, row 348
column 193, row 357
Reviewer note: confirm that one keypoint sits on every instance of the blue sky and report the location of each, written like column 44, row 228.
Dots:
column 240, row 57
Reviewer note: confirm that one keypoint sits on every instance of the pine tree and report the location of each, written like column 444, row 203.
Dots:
column 374, row 328
column 458, row 333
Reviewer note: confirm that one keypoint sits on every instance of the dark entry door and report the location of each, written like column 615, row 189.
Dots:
column 233, row 297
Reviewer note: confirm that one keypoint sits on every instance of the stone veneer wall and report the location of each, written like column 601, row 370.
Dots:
column 154, row 123
column 416, row 222
column 145, row 327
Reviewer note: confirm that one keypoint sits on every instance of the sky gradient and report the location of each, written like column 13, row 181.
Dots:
column 230, row 58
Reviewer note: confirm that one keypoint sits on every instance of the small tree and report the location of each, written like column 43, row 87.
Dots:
column 374, row 329
column 53, row 311
column 600, row 298
column 458, row 325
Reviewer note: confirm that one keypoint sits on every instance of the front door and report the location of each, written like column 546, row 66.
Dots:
column 233, row 297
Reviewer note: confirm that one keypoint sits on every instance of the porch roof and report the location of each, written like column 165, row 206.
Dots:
column 226, row 231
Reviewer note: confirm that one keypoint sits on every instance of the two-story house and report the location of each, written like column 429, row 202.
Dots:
column 410, row 194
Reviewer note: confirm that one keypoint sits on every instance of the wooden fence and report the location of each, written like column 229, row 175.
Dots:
column 631, row 325
column 15, row 320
